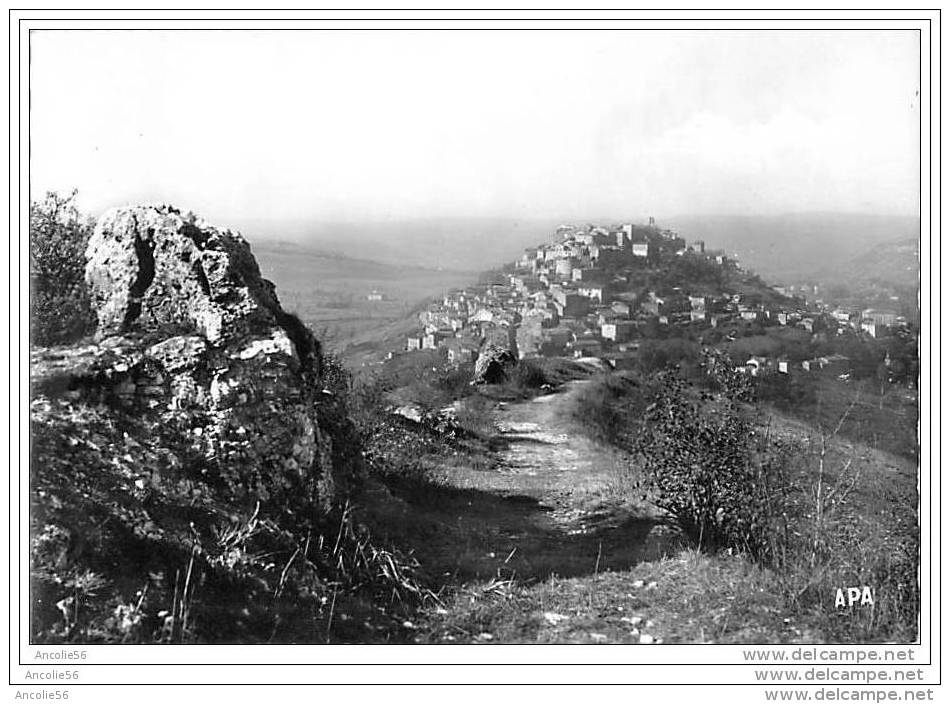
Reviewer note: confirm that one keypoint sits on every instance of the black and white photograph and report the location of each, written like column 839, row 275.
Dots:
column 447, row 334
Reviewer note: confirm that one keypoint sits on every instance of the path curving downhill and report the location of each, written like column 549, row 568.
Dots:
column 545, row 501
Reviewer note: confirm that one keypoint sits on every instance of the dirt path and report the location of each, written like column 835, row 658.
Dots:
column 532, row 534
column 574, row 480
column 539, row 541
column 543, row 502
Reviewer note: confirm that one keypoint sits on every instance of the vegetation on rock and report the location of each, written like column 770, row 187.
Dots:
column 60, row 309
column 191, row 474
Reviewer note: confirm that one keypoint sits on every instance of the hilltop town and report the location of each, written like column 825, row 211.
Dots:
column 192, row 392
column 601, row 291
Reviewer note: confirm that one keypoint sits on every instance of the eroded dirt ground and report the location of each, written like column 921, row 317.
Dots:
column 518, row 526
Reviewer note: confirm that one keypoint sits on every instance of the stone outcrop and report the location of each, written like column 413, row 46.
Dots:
column 154, row 269
column 493, row 365
column 192, row 337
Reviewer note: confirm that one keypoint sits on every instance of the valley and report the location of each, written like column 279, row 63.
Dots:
column 357, row 307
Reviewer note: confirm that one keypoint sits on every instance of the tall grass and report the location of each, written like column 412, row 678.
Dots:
column 535, row 375
column 817, row 511
column 610, row 409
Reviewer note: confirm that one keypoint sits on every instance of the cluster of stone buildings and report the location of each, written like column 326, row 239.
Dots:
column 578, row 296
column 466, row 319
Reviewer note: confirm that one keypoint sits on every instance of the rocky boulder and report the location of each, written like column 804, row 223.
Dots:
column 493, row 365
column 192, row 338
column 154, row 269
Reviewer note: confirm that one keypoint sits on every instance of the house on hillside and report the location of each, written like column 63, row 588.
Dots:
column 751, row 315
column 834, row 364
column 618, row 330
column 622, row 359
column 654, row 304
column 621, row 308
column 482, row 315
column 787, row 318
column 884, row 318
column 571, row 304
column 757, row 366
column 874, row 329
column 461, row 351
column 555, row 340
column 586, row 347
column 592, row 291
column 437, row 338
column 698, row 316
column 564, row 267
column 588, row 275
column 529, row 337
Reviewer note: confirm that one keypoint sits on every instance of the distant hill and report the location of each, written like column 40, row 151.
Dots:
column 800, row 246
column 325, row 271
column 331, row 293
column 890, row 263
column 887, row 275
column 780, row 247
column 463, row 244
column 297, row 266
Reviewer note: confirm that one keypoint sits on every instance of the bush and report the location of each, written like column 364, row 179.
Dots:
column 395, row 449
column 335, row 377
column 655, row 355
column 704, row 464
column 60, row 308
column 531, row 374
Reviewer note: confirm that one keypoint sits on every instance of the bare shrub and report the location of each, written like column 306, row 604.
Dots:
column 60, row 308
column 703, row 463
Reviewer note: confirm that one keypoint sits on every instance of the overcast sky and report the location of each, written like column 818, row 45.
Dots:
column 362, row 126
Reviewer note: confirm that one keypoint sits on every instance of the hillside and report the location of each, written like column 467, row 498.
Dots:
column 797, row 246
column 330, row 292
column 653, row 444
column 540, row 538
column 779, row 247
column 462, row 244
column 887, row 275
column 895, row 264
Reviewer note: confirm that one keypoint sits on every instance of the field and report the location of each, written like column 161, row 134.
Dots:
column 329, row 292
column 882, row 418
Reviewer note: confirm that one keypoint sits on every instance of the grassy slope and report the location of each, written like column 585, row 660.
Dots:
column 887, row 422
column 686, row 597
column 499, row 541
column 329, row 293
column 456, row 528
